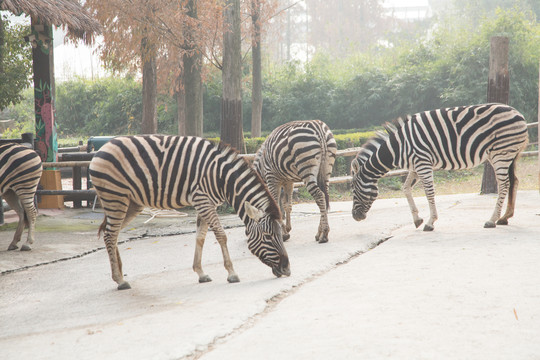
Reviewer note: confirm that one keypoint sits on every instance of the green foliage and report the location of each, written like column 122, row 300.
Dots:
column 108, row 106
column 16, row 62
column 447, row 68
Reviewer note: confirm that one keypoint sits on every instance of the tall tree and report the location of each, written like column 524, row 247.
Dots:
column 149, row 85
column 256, row 92
column 129, row 44
column 231, row 101
column 192, row 80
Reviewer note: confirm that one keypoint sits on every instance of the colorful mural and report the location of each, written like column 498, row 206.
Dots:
column 42, row 53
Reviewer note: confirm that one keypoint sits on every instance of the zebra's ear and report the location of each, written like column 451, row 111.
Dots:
column 253, row 212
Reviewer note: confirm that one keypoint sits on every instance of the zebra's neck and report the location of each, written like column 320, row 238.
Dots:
column 241, row 183
column 379, row 156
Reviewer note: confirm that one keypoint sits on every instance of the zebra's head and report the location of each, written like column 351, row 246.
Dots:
column 265, row 239
column 365, row 189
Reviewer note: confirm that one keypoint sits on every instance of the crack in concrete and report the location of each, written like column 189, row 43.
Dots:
column 146, row 235
column 274, row 301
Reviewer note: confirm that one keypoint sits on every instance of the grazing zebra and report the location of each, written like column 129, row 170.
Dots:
column 299, row 151
column 169, row 172
column 20, row 172
column 452, row 138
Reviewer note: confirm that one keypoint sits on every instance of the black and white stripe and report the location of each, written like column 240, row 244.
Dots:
column 169, row 172
column 20, row 172
column 452, row 138
column 299, row 151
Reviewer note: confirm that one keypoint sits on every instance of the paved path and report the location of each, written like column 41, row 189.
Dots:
column 460, row 292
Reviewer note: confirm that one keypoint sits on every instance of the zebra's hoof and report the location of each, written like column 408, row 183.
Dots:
column 502, row 222
column 25, row 248
column 323, row 240
column 286, row 237
column 233, row 279
column 12, row 247
column 428, row 227
column 124, row 286
column 489, row 225
column 205, row 279
column 419, row 222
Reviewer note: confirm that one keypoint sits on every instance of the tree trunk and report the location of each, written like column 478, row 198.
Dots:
column 193, row 94
column 498, row 91
column 256, row 92
column 180, row 95
column 149, row 88
column 1, row 47
column 192, row 65
column 231, row 102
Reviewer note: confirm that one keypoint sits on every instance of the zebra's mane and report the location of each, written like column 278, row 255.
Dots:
column 272, row 207
column 372, row 145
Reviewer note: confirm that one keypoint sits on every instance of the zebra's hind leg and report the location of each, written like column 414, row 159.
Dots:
column 409, row 183
column 512, row 193
column 202, row 229
column 115, row 214
column 501, row 169
column 320, row 199
column 13, row 200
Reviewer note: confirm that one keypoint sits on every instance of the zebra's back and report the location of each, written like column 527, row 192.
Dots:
column 294, row 147
column 155, row 171
column 458, row 138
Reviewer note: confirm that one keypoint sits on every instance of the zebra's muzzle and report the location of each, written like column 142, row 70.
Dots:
column 358, row 215
column 283, row 269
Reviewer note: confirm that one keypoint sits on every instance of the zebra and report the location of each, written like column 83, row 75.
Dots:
column 451, row 138
column 299, row 151
column 170, row 172
column 20, row 172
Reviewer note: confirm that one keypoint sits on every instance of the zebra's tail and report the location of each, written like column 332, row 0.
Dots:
column 102, row 227
column 321, row 176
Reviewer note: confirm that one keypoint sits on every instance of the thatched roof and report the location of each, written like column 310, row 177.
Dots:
column 64, row 13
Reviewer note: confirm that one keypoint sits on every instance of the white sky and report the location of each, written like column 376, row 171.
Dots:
column 71, row 61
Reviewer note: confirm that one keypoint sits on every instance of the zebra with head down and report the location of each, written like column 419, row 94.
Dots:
column 453, row 138
column 169, row 172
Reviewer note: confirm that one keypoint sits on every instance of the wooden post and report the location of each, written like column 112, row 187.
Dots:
column 498, row 91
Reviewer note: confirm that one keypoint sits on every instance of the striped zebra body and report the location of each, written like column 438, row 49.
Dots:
column 299, row 151
column 20, row 172
column 452, row 138
column 169, row 172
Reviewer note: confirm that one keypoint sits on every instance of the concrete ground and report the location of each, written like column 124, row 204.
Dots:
column 379, row 289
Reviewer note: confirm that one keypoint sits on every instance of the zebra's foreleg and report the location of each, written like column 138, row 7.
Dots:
column 202, row 229
column 426, row 176
column 409, row 183
column 207, row 212
column 13, row 200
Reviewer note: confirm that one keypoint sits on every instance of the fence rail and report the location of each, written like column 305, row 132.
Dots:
column 78, row 194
